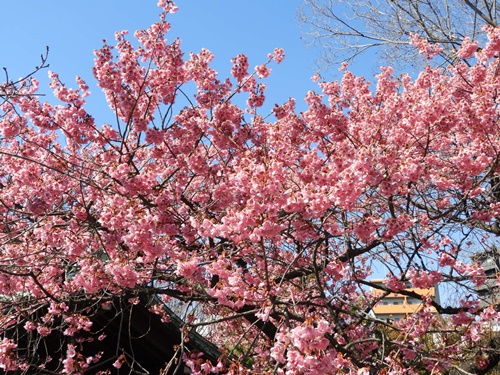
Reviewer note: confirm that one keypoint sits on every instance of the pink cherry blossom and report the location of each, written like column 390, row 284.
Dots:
column 266, row 223
column 426, row 48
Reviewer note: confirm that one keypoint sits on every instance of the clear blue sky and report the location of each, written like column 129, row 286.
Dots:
column 73, row 29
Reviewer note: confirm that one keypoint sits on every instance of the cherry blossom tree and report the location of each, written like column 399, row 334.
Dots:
column 272, row 227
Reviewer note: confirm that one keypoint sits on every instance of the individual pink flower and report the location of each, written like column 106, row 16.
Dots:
column 70, row 352
column 262, row 71
column 43, row 330
column 119, row 362
column 240, row 67
column 188, row 268
column 278, row 55
column 29, row 326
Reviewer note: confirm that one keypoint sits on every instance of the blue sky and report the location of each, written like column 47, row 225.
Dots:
column 73, row 29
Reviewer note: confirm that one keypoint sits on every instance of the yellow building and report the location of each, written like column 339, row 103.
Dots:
column 396, row 306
